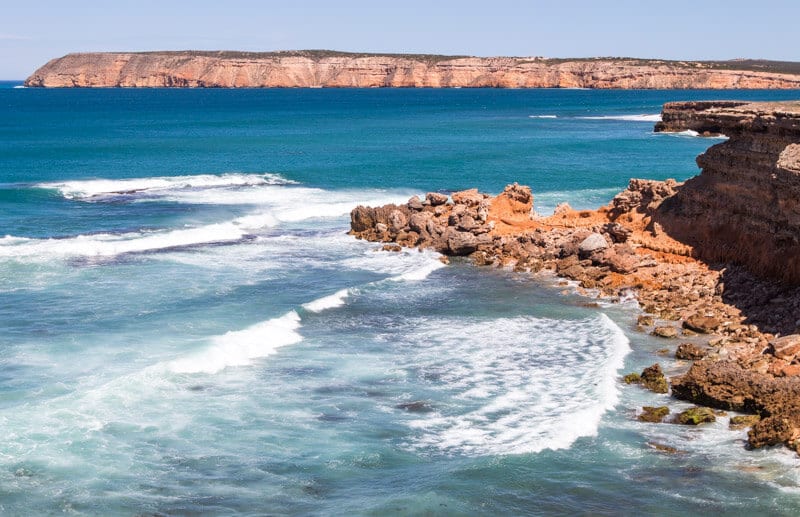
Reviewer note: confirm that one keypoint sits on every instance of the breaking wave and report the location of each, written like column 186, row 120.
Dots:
column 159, row 186
column 518, row 385
column 239, row 348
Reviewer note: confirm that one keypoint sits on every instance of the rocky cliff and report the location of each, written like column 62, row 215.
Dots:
column 740, row 216
column 338, row 69
column 744, row 207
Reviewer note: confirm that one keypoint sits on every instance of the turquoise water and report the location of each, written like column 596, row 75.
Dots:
column 186, row 328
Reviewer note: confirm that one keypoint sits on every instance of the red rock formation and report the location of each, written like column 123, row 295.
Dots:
column 339, row 69
column 744, row 207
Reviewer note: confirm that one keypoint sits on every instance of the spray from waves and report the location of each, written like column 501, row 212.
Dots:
column 630, row 118
column 104, row 189
column 239, row 348
column 691, row 134
column 517, row 385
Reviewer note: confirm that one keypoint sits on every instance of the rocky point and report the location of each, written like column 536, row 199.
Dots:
column 696, row 255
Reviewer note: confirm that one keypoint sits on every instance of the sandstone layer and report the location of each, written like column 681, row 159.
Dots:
column 743, row 325
column 339, row 69
column 745, row 205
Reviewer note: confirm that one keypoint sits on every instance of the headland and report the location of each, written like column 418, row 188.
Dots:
column 716, row 258
column 332, row 69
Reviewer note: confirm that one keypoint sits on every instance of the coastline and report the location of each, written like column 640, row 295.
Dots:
column 659, row 242
column 332, row 69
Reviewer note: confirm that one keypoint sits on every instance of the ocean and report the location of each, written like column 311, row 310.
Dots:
column 187, row 329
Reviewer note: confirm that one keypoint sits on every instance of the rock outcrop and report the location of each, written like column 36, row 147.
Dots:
column 744, row 207
column 741, row 217
column 340, row 69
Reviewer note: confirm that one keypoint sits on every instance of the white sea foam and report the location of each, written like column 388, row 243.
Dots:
column 332, row 301
column 160, row 186
column 518, row 385
column 542, row 116
column 691, row 133
column 239, row 348
column 103, row 245
column 19, row 87
column 630, row 118
column 419, row 273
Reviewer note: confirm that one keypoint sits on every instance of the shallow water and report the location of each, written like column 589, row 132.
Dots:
column 186, row 328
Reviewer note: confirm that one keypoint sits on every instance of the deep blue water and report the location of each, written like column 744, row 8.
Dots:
column 185, row 327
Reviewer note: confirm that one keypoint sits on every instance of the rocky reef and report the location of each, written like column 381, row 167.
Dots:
column 696, row 255
column 321, row 68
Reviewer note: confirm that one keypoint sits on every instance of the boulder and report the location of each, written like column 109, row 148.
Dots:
column 665, row 332
column 654, row 380
column 436, row 198
column 617, row 232
column 418, row 222
column 397, row 221
column 701, row 323
column 786, row 347
column 469, row 197
column 461, row 243
column 695, row 416
column 690, row 352
column 653, row 414
column 415, row 203
column 592, row 243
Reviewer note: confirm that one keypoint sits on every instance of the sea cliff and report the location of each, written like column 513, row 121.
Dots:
column 697, row 256
column 309, row 69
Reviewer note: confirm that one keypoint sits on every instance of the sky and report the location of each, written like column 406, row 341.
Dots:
column 31, row 33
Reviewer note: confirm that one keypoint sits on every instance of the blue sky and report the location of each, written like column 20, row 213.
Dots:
column 33, row 32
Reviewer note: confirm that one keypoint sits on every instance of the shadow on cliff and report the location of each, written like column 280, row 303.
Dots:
column 760, row 268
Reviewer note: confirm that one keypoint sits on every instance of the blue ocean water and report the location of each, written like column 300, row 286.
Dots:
column 187, row 329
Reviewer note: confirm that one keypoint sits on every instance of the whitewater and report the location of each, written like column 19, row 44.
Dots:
column 187, row 327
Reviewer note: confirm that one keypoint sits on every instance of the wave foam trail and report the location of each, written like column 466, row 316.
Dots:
column 518, row 385
column 239, row 348
column 630, row 118
column 332, row 301
column 105, row 245
column 542, row 116
column 160, row 185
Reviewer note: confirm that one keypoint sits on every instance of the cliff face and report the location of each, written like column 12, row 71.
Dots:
column 745, row 205
column 334, row 69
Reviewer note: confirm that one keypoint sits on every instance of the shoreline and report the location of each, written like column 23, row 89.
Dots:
column 660, row 242
column 331, row 69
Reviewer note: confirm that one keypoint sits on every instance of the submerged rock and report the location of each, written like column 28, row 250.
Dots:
column 654, row 380
column 417, row 406
column 653, row 414
column 743, row 421
column 695, row 416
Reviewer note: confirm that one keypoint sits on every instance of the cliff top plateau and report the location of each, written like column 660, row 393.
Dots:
column 328, row 68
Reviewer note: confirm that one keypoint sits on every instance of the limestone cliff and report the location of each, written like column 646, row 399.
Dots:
column 339, row 69
column 745, row 205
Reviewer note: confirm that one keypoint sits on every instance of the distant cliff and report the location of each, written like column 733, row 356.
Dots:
column 314, row 69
